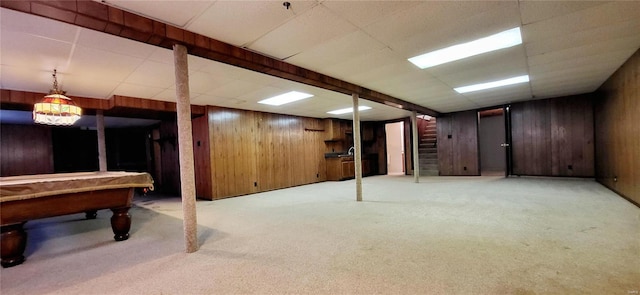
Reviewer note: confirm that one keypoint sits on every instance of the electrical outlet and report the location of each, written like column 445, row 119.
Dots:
column 255, row 184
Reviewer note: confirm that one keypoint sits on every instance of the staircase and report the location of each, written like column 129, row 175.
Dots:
column 427, row 149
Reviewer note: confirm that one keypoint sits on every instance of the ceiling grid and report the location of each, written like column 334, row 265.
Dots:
column 569, row 47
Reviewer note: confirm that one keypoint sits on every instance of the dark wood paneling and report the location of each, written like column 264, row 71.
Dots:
column 618, row 131
column 408, row 151
column 572, row 137
column 458, row 144
column 553, row 137
column 531, row 138
column 202, row 157
column 466, row 157
column 445, row 145
column 379, row 149
column 25, row 149
column 169, row 159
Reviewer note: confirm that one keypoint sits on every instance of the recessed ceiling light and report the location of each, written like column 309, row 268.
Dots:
column 348, row 110
column 494, row 84
column 285, row 98
column 500, row 40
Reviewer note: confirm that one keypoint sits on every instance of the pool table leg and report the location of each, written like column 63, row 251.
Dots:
column 14, row 241
column 121, row 223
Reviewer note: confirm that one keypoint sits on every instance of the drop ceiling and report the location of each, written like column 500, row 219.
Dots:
column 569, row 47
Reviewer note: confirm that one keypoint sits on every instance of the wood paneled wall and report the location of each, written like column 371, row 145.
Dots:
column 553, row 137
column 255, row 152
column 25, row 149
column 618, row 131
column 169, row 158
column 380, row 145
column 458, row 144
column 202, row 157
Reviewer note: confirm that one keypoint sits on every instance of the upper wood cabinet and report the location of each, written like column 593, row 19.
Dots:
column 342, row 130
column 333, row 130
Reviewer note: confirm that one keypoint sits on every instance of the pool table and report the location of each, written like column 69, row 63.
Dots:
column 29, row 197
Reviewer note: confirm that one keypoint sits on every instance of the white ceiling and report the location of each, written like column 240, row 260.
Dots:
column 570, row 47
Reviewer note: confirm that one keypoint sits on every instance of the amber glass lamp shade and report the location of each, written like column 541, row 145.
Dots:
column 56, row 109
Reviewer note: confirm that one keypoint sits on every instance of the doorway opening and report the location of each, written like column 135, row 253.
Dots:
column 395, row 148
column 493, row 144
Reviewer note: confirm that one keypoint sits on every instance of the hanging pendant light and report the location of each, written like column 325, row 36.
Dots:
column 56, row 108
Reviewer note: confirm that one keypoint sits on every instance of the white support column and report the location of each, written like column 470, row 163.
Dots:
column 102, row 146
column 185, row 148
column 416, row 159
column 357, row 147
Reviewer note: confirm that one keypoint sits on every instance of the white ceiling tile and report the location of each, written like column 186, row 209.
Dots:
column 592, row 49
column 408, row 23
column 154, row 74
column 606, row 59
column 242, row 22
column 233, row 89
column 86, row 86
column 492, row 66
column 22, row 50
column 176, row 12
column 572, row 76
column 534, row 11
column 27, row 79
column 99, row 64
column 571, row 47
column 267, row 92
column 600, row 34
column 140, row 91
column 586, row 19
column 102, row 41
column 162, row 55
column 491, row 17
column 362, row 15
column 202, row 82
column 502, row 94
column 336, row 51
column 361, row 64
column 19, row 22
column 307, row 30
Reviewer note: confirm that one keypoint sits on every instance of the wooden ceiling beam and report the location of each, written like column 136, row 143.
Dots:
column 111, row 20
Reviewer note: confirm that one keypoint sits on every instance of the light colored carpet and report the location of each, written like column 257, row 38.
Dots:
column 445, row 235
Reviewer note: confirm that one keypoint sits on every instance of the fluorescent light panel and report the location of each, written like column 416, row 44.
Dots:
column 497, row 41
column 494, row 84
column 348, row 110
column 285, row 98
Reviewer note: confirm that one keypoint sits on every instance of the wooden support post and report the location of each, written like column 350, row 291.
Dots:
column 414, row 143
column 102, row 146
column 357, row 147
column 185, row 148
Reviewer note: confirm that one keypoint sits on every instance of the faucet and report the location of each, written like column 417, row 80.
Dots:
column 351, row 150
